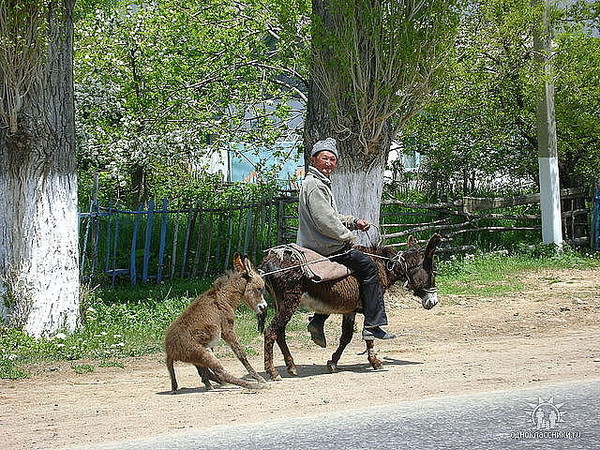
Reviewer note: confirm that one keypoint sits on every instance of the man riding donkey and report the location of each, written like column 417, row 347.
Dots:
column 325, row 231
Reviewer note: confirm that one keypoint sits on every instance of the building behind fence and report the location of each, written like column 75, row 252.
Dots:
column 155, row 243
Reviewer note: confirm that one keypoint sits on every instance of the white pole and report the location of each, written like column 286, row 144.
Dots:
column 546, row 134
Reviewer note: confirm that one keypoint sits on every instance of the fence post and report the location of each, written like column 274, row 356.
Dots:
column 280, row 219
column 149, row 223
column 136, row 226
column 248, row 229
column 174, row 249
column 596, row 222
column 114, row 251
column 163, row 241
column 188, row 236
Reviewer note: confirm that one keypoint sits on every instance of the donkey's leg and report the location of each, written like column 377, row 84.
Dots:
column 345, row 338
column 287, row 355
column 171, row 370
column 231, row 339
column 206, row 375
column 276, row 332
column 221, row 376
column 372, row 355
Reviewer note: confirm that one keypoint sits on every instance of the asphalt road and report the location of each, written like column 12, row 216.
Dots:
column 561, row 416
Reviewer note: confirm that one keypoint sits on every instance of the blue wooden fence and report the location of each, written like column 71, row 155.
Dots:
column 155, row 243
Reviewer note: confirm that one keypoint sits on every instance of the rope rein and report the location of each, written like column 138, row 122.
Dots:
column 323, row 259
column 390, row 263
column 399, row 258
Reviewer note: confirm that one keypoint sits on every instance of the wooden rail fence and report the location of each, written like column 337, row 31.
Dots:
column 157, row 243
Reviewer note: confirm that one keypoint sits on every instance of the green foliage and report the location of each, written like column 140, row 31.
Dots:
column 479, row 129
column 162, row 85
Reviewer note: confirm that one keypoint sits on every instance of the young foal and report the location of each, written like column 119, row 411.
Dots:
column 191, row 337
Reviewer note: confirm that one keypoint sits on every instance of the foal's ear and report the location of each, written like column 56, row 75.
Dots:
column 238, row 264
column 248, row 264
column 412, row 242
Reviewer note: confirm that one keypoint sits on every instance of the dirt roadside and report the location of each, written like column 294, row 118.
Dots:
column 467, row 344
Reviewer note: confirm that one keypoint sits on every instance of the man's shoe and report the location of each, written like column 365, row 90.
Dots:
column 316, row 332
column 369, row 334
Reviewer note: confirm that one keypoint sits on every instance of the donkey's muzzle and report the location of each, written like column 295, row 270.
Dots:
column 262, row 318
column 429, row 298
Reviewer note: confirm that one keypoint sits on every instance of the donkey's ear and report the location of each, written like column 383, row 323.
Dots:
column 412, row 242
column 238, row 264
column 434, row 241
column 248, row 264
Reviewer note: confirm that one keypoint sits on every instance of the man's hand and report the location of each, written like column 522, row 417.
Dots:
column 362, row 224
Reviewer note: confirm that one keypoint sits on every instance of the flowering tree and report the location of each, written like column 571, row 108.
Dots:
column 161, row 84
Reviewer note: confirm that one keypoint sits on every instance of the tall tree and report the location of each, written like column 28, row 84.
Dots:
column 39, row 277
column 373, row 63
column 479, row 132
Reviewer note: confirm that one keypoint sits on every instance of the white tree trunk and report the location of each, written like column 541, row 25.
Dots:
column 39, row 275
column 39, row 254
column 358, row 192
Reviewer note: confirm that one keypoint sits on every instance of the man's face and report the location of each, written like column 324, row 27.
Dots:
column 324, row 162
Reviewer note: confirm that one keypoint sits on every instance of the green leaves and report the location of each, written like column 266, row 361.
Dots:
column 376, row 61
column 165, row 84
column 479, row 128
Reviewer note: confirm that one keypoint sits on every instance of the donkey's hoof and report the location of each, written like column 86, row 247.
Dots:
column 258, row 378
column 275, row 377
column 292, row 371
column 377, row 365
column 332, row 367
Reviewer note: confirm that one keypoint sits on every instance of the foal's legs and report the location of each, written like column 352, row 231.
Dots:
column 215, row 371
column 206, row 375
column 345, row 338
column 171, row 368
column 229, row 336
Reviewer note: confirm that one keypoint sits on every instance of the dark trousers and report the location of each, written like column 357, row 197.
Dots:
column 371, row 292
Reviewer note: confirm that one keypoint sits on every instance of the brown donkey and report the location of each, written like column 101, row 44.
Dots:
column 290, row 287
column 191, row 337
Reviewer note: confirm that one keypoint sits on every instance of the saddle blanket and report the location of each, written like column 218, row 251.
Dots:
column 315, row 266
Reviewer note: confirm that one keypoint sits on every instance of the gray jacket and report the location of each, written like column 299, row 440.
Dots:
column 321, row 228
